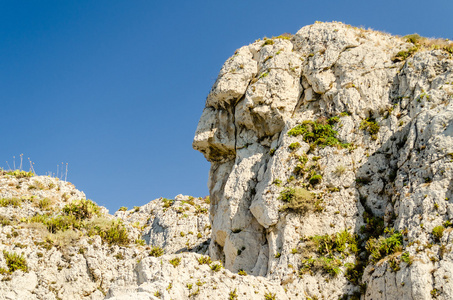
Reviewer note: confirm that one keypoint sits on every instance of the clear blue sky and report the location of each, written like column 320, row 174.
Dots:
column 115, row 88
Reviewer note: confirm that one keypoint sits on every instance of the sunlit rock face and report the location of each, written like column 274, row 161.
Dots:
column 390, row 164
column 331, row 157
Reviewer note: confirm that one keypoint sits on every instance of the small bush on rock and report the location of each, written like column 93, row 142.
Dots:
column 156, row 251
column 204, row 260
column 82, row 209
column 294, row 146
column 319, row 133
column 270, row 296
column 371, row 126
column 20, row 174
column 381, row 247
column 438, row 232
column 15, row 202
column 299, row 200
column 15, row 261
column 114, row 234
column 315, row 179
column 175, row 261
column 216, row 267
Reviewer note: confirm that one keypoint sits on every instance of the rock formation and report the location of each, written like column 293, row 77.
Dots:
column 334, row 130
column 331, row 178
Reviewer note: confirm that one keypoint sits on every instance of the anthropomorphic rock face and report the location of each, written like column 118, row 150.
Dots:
column 371, row 152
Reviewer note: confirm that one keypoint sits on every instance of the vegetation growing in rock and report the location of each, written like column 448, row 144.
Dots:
column 156, row 251
column 82, row 209
column 268, row 42
column 294, row 146
column 315, row 179
column 82, row 215
column 15, row 202
column 175, row 261
column 167, row 202
column 300, row 200
column 438, row 232
column 329, row 249
column 242, row 272
column 318, row 133
column 422, row 43
column 216, row 267
column 233, row 295
column 204, row 260
column 381, row 247
column 20, row 174
column 371, row 126
column 15, row 261
column 270, row 296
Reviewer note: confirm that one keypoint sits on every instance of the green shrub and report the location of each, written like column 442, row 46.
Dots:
column 56, row 223
column 371, row 126
column 20, row 174
column 156, row 251
column 315, row 179
column 287, row 194
column 381, row 247
column 294, row 146
column 232, row 295
column 216, row 267
column 267, row 42
column 342, row 242
column 4, row 221
column 122, row 208
column 354, row 271
column 299, row 200
column 82, row 209
column 404, row 54
column 45, row 203
column 175, row 261
column 422, row 43
column 319, row 133
column 277, row 182
column 15, row 202
column 374, row 225
column 435, row 293
column 328, row 265
column 167, row 202
column 406, row 258
column 15, row 261
column 204, row 260
column 242, row 272
column 438, row 232
column 269, row 296
column 115, row 234
column 140, row 242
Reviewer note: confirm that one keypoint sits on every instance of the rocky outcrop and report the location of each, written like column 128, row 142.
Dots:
column 370, row 149
column 58, row 245
column 331, row 154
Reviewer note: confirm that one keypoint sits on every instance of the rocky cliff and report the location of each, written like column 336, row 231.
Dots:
column 331, row 153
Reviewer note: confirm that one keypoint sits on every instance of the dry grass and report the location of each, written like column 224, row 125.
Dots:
column 64, row 239
column 423, row 44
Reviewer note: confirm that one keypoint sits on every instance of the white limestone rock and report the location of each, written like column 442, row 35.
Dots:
column 399, row 170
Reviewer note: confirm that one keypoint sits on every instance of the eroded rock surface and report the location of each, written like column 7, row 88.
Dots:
column 391, row 164
column 331, row 178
